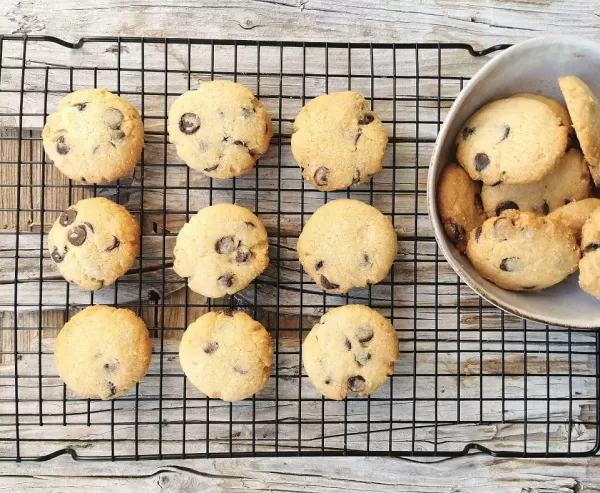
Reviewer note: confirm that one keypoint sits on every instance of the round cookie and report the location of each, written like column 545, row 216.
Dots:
column 226, row 355
column 352, row 349
column 575, row 214
column 514, row 140
column 347, row 244
column 459, row 204
column 220, row 129
column 221, row 250
column 94, row 242
column 589, row 265
column 102, row 352
column 338, row 141
column 569, row 181
column 584, row 108
column 522, row 251
column 94, row 136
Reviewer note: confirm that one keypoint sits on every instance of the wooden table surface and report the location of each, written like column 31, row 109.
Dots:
column 481, row 23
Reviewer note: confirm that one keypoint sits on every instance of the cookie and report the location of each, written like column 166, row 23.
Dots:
column 226, row 355
column 575, row 214
column 220, row 129
column 584, row 108
column 347, row 244
column 352, row 349
column 94, row 136
column 514, row 140
column 569, row 181
column 459, row 204
column 589, row 265
column 94, row 242
column 102, row 352
column 522, row 251
column 221, row 250
column 338, row 141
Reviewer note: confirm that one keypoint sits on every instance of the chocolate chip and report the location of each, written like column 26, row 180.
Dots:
column 478, row 204
column 545, row 208
column 327, row 284
column 591, row 247
column 322, row 176
column 115, row 244
column 212, row 168
column 467, row 132
column 112, row 388
column 356, row 177
column 113, row 118
column 57, row 257
column 366, row 261
column 240, row 370
column 504, row 206
column 319, row 265
column 110, row 367
column 347, row 344
column 510, row 264
column 242, row 256
column 364, row 334
column 477, row 233
column 226, row 280
column 118, row 135
column 89, row 226
column 77, row 235
column 210, row 347
column 225, row 245
column 67, row 217
column 189, row 123
column 482, row 161
column 366, row 119
column 506, row 131
column 239, row 143
column 356, row 383
column 362, row 358
column 250, row 224
column 61, row 146
column 327, row 381
column 80, row 106
column 248, row 112
column 455, row 231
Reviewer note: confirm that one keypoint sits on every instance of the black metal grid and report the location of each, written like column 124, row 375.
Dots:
column 466, row 368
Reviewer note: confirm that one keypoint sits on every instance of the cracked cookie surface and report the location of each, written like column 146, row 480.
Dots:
column 347, row 244
column 221, row 250
column 352, row 349
column 514, row 140
column 338, row 141
column 102, row 352
column 220, row 129
column 94, row 242
column 94, row 136
column 226, row 355
column 522, row 251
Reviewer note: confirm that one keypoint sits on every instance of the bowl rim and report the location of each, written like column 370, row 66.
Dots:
column 436, row 162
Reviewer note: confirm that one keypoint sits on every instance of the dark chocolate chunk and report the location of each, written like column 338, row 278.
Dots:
column 239, row 143
column 319, row 265
column 61, row 146
column 503, row 206
column 67, row 217
column 591, row 247
column 478, row 203
column 347, row 344
column 189, row 123
column 366, row 119
column 118, row 135
column 356, row 177
column 242, row 256
column 212, row 168
column 227, row 280
column 362, row 357
column 80, row 106
column 327, row 381
column 322, row 176
column 356, row 383
column 505, row 132
column 455, row 231
column 113, row 118
column 482, row 161
column 115, row 244
column 77, row 235
column 477, row 233
column 366, row 261
column 225, row 245
column 57, row 257
column 510, row 264
column 112, row 388
column 467, row 132
column 210, row 347
column 327, row 284
column 364, row 334
column 545, row 208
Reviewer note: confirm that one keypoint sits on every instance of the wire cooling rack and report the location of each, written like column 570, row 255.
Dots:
column 469, row 377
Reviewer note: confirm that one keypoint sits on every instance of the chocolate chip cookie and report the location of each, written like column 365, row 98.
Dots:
column 338, row 141
column 220, row 129
column 459, row 204
column 94, row 242
column 522, row 251
column 102, row 352
column 347, row 244
column 94, row 136
column 569, row 181
column 514, row 140
column 352, row 349
column 575, row 214
column 589, row 265
column 584, row 108
column 226, row 355
column 221, row 250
